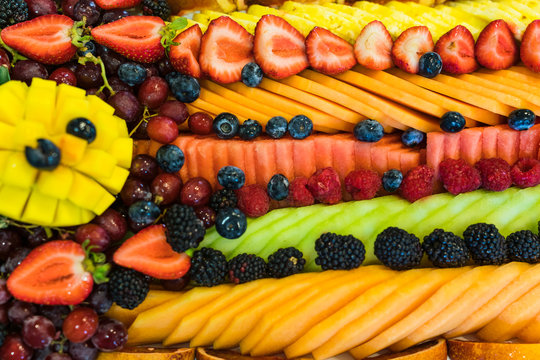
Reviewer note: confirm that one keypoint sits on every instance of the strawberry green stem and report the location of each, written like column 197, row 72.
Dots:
column 4, row 75
column 14, row 54
column 95, row 263
column 169, row 32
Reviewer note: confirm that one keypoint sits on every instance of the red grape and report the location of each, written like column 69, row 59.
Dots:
column 110, row 336
column 41, row 7
column 135, row 190
column 200, row 123
column 113, row 15
column 88, row 76
column 64, row 75
column 127, row 107
column 141, row 133
column 153, row 92
column 166, row 188
column 58, row 356
column 100, row 94
column 26, row 70
column 37, row 237
column 118, row 85
column 80, row 325
column 83, row 351
column 144, row 167
column 96, row 234
column 151, row 70
column 56, row 314
column 162, row 129
column 4, row 59
column 9, row 241
column 38, row 331
column 206, row 214
column 15, row 349
column 164, row 66
column 176, row 110
column 196, row 192
column 114, row 224
column 5, row 296
column 20, row 310
column 87, row 9
column 67, row 7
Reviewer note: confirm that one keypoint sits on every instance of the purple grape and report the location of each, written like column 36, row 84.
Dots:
column 151, row 70
column 118, row 85
column 94, row 91
column 111, row 335
column 67, row 7
column 111, row 59
column 26, row 70
column 56, row 314
column 9, row 241
column 83, row 351
column 19, row 311
column 114, row 224
column 153, row 92
column 126, row 107
column 142, row 132
column 164, row 66
column 113, row 15
column 3, row 314
column 37, row 237
column 41, row 7
column 38, row 331
column 5, row 296
column 177, row 284
column 87, row 9
column 144, row 167
column 88, row 76
column 58, row 356
column 99, row 299
column 14, row 259
column 135, row 190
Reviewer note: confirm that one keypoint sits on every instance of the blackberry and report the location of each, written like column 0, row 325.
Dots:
column 286, row 262
column 398, row 249
column 339, row 252
column 156, row 8
column 486, row 244
column 184, row 229
column 222, row 199
column 208, row 267
column 445, row 249
column 12, row 12
column 128, row 288
column 523, row 246
column 244, row 268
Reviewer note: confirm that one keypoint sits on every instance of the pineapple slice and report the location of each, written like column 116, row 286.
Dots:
column 423, row 14
column 395, row 21
column 526, row 11
column 474, row 23
column 361, row 16
column 206, row 16
column 301, row 24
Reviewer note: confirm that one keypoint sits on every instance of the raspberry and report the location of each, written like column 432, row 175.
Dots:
column 458, row 176
column 253, row 200
column 299, row 195
column 363, row 184
column 495, row 174
column 418, row 183
column 325, row 186
column 526, row 173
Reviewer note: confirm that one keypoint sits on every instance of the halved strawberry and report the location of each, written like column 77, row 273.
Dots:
column 226, row 48
column 52, row 274
column 185, row 57
column 149, row 253
column 136, row 37
column 373, row 47
column 456, row 49
column 117, row 4
column 496, row 47
column 530, row 46
column 45, row 39
column 410, row 46
column 279, row 48
column 328, row 53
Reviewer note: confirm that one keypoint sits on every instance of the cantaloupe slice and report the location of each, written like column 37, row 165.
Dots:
column 191, row 324
column 469, row 302
column 444, row 102
column 213, row 108
column 531, row 333
column 521, row 285
column 468, row 97
column 243, row 323
column 154, row 325
column 291, row 327
column 232, row 106
column 519, row 73
column 443, row 297
column 513, row 319
column 392, row 309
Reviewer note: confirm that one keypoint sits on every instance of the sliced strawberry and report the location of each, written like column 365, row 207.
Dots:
column 496, row 47
column 117, row 4
column 328, row 53
column 279, row 48
column 530, row 46
column 150, row 253
column 226, row 48
column 45, row 39
column 185, row 57
column 373, row 48
column 136, row 37
column 52, row 274
column 456, row 49
column 410, row 46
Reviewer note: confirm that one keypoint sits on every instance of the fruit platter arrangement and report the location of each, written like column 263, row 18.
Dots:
column 269, row 179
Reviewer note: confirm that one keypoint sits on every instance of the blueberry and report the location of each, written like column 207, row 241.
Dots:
column 185, row 88
column 231, row 177
column 226, row 125
column 231, row 223
column 249, row 130
column 369, row 131
column 300, row 127
column 89, row 48
column 452, row 122
column 521, row 119
column 391, row 180
column 278, row 187
column 252, row 74
column 430, row 65
column 132, row 73
column 276, row 127
column 143, row 212
column 170, row 158
column 82, row 128
column 412, row 137
column 45, row 157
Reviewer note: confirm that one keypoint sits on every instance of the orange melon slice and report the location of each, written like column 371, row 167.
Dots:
column 468, row 350
column 443, row 297
column 531, row 333
column 513, row 319
column 468, row 97
column 213, row 108
column 521, row 285
column 469, row 302
column 232, row 106
column 445, row 102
